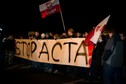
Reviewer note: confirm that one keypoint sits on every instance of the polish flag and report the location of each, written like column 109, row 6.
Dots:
column 94, row 35
column 50, row 7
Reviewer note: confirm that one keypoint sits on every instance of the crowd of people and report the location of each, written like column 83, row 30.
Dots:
column 108, row 58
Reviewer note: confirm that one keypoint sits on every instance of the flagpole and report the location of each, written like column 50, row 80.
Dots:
column 62, row 20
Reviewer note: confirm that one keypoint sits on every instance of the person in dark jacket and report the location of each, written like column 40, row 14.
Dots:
column 96, row 68
column 112, row 59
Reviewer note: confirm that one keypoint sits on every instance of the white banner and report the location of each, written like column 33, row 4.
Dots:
column 70, row 51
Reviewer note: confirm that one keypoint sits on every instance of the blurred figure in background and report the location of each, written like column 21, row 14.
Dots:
column 2, row 51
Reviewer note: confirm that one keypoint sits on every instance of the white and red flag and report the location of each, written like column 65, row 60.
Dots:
column 50, row 7
column 94, row 35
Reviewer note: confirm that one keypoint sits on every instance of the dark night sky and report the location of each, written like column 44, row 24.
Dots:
column 23, row 15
